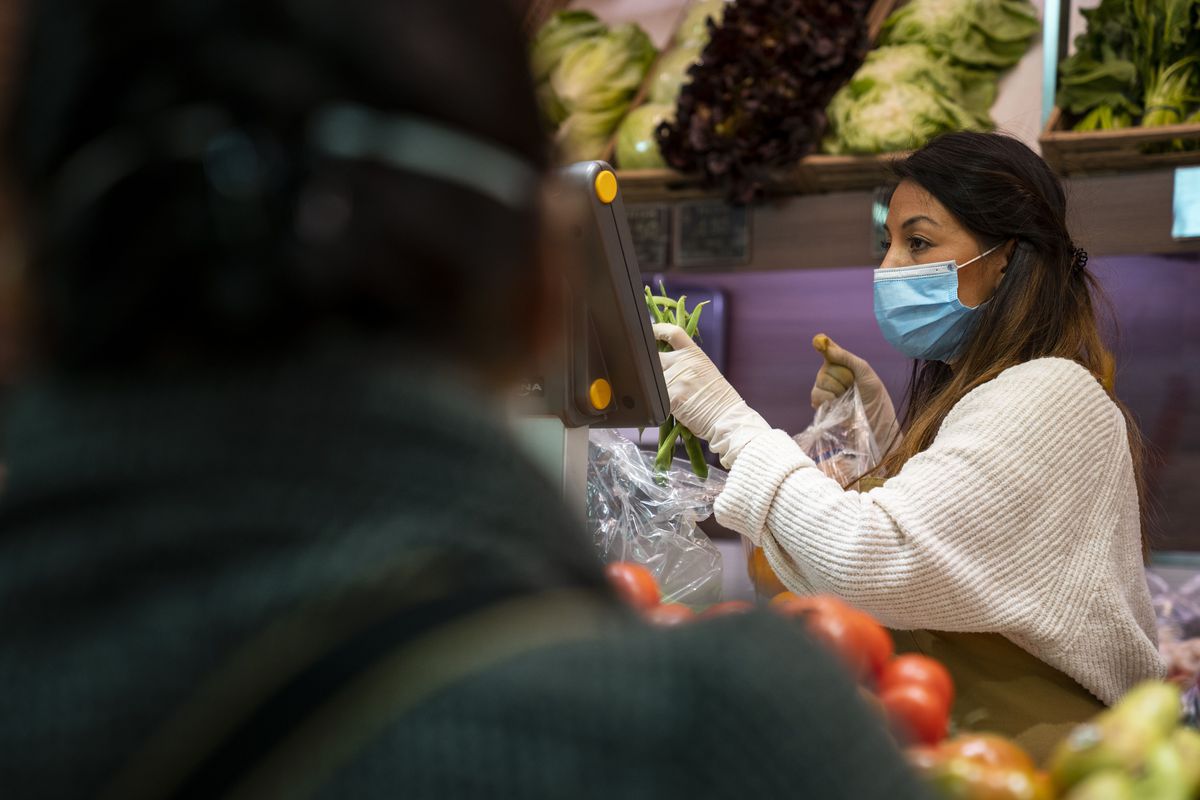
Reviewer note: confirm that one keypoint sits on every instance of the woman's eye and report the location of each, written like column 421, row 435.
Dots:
column 885, row 246
column 916, row 245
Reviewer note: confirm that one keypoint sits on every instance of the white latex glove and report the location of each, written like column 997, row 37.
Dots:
column 703, row 400
column 841, row 370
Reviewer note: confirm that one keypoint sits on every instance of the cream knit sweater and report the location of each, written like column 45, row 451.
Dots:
column 1020, row 519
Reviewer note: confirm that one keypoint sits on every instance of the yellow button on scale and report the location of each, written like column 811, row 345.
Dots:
column 606, row 187
column 600, row 394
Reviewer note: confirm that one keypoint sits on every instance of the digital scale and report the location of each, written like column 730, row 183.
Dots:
column 604, row 371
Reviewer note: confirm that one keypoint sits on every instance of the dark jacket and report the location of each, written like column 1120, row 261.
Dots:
column 239, row 548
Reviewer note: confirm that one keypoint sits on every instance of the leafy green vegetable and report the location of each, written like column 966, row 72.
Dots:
column 693, row 29
column 671, row 73
column 563, row 30
column 1104, row 118
column 601, row 72
column 990, row 34
column 1166, row 48
column 902, row 97
column 584, row 135
column 894, row 116
column 637, row 146
column 1137, row 58
column 588, row 75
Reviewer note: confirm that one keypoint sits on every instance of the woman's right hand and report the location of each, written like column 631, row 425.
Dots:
column 841, row 370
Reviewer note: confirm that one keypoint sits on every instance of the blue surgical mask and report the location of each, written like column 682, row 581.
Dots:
column 919, row 312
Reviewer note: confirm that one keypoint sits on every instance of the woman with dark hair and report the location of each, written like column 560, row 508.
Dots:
column 1007, row 536
column 264, row 533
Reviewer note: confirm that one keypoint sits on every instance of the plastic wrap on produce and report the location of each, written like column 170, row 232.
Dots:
column 1178, row 611
column 840, row 439
column 639, row 516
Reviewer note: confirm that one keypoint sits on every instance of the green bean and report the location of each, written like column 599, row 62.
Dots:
column 656, row 313
column 694, row 321
column 662, row 460
column 695, row 454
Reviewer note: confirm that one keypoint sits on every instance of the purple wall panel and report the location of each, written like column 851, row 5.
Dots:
column 774, row 315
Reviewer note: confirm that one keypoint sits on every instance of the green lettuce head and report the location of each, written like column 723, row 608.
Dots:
column 602, row 72
column 637, row 146
column 670, row 74
column 893, row 116
column 917, row 64
column 983, row 34
column 585, row 134
column 563, row 30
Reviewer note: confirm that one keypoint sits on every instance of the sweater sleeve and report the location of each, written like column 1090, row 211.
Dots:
column 989, row 529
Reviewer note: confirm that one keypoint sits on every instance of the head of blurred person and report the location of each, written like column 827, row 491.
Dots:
column 225, row 181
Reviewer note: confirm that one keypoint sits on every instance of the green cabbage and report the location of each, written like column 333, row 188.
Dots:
column 988, row 34
column 893, row 116
column 637, row 145
column 917, row 64
column 670, row 74
column 563, row 30
column 693, row 30
column 584, row 135
column 602, row 72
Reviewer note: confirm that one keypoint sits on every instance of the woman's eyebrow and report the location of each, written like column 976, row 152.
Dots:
column 914, row 220
column 911, row 221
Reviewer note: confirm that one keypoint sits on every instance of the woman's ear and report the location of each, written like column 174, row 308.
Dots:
column 1009, row 249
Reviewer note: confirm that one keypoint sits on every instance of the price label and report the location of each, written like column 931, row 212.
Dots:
column 650, row 226
column 712, row 234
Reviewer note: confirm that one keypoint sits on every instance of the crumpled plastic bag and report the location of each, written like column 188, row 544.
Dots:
column 636, row 515
column 841, row 443
column 840, row 440
column 1177, row 610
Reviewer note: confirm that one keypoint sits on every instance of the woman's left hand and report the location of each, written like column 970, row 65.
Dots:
column 702, row 400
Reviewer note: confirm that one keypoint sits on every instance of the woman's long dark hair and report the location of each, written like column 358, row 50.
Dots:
column 1001, row 191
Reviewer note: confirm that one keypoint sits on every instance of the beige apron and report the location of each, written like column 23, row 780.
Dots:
column 1002, row 689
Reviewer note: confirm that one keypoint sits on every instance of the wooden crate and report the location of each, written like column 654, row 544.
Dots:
column 1074, row 153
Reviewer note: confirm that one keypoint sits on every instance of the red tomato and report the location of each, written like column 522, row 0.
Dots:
column 799, row 605
column 634, row 584
column 669, row 615
column 840, row 632
column 990, row 749
column 838, row 626
column 918, row 670
column 915, row 713
column 728, row 607
column 880, row 647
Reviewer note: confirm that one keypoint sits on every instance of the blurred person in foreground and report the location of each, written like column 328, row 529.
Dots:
column 265, row 534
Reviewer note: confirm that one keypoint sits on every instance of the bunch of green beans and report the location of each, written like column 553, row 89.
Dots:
column 665, row 309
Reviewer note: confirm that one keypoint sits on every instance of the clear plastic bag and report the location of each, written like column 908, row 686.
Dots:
column 639, row 516
column 840, row 440
column 1177, row 609
column 841, row 443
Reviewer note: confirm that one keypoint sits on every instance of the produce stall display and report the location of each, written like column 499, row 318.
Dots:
column 936, row 71
column 1137, row 750
column 1129, row 96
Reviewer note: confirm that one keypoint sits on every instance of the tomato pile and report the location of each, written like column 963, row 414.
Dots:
column 1135, row 750
column 915, row 693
